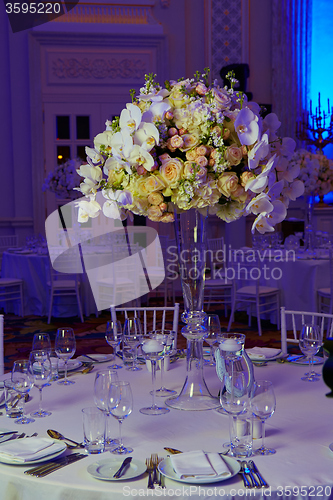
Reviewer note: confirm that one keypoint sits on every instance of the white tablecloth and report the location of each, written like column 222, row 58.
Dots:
column 33, row 268
column 300, row 431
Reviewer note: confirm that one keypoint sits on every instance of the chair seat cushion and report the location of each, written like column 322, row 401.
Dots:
column 325, row 292
column 251, row 290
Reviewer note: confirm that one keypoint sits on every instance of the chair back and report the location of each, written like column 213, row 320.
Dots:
column 152, row 318
column 7, row 241
column 299, row 318
column 2, row 363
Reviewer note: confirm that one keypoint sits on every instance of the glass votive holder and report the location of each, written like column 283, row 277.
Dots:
column 93, row 429
column 241, row 435
column 13, row 400
column 55, row 364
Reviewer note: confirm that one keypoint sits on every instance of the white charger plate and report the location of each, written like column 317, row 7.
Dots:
column 98, row 358
column 72, row 364
column 45, row 458
column 272, row 358
column 105, row 469
column 298, row 359
column 165, row 468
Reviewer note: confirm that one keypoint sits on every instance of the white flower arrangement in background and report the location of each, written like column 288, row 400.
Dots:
column 190, row 145
column 63, row 179
column 316, row 172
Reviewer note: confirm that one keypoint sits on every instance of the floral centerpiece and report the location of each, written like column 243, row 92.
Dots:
column 63, row 179
column 316, row 172
column 190, row 145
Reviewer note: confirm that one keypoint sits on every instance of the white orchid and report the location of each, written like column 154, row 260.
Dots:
column 260, row 204
column 266, row 221
column 246, row 126
column 140, row 157
column 259, row 151
column 130, row 118
column 87, row 209
column 92, row 179
column 147, row 136
column 260, row 182
column 156, row 96
column 294, row 190
column 156, row 112
column 94, row 155
column 103, row 140
column 270, row 125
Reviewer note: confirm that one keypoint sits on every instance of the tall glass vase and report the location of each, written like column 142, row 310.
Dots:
column 309, row 234
column 191, row 245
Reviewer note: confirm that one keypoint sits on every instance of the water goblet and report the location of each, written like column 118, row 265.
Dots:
column 120, row 406
column 23, row 382
column 65, row 347
column 41, row 342
column 41, row 371
column 103, row 381
column 132, row 336
column 213, row 327
column 113, row 335
column 309, row 343
column 153, row 350
column 169, row 347
column 263, row 404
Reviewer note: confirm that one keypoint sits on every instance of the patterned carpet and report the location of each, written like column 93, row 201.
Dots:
column 19, row 332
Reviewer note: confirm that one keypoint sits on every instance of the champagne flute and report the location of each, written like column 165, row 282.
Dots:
column 23, row 382
column 113, row 334
column 213, row 327
column 65, row 347
column 153, row 350
column 103, row 381
column 309, row 343
column 41, row 371
column 169, row 339
column 263, row 404
column 132, row 338
column 41, row 342
column 120, row 406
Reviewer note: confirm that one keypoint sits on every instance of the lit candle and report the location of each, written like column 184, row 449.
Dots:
column 230, row 345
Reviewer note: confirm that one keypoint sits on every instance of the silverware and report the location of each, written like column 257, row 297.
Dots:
column 174, row 451
column 248, row 471
column 84, row 372
column 154, row 461
column 123, row 467
column 254, row 469
column 242, row 473
column 54, row 465
column 7, row 433
column 56, row 435
column 150, row 469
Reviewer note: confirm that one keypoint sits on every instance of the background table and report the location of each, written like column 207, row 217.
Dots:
column 300, row 431
column 33, row 268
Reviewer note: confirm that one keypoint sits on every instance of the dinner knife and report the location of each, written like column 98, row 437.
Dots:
column 7, row 433
column 70, row 459
column 122, row 468
column 254, row 469
column 248, row 471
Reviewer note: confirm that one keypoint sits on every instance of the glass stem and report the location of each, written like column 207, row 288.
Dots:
column 162, row 370
column 263, row 434
column 153, row 377
column 40, row 399
column 311, row 366
column 24, row 416
column 65, row 381
column 211, row 355
column 120, row 436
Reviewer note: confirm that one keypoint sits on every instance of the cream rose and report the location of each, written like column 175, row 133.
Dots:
column 233, row 154
column 191, row 155
column 147, row 185
column 221, row 98
column 176, row 141
column 155, row 198
column 227, row 183
column 201, row 171
column 154, row 213
column 190, row 141
column 171, row 172
column 202, row 161
column 246, row 177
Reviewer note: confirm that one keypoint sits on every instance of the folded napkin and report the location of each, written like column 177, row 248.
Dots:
column 262, row 352
column 199, row 465
column 26, row 450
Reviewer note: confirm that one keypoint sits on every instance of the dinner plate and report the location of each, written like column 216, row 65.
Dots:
column 165, row 468
column 302, row 360
column 105, row 469
column 72, row 364
column 45, row 458
column 98, row 358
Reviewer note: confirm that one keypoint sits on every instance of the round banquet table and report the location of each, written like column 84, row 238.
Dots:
column 300, row 431
column 33, row 268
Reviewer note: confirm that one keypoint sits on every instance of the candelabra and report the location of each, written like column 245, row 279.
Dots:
column 316, row 129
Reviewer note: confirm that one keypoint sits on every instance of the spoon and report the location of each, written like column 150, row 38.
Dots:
column 56, row 435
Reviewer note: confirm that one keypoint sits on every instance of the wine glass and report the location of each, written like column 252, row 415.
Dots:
column 41, row 342
column 213, row 327
column 309, row 343
column 65, row 347
column 153, row 350
column 131, row 339
column 120, row 406
column 169, row 347
column 41, row 371
column 103, row 380
column 263, row 404
column 23, row 382
column 113, row 335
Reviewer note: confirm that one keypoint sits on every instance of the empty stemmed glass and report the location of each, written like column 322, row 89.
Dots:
column 23, row 382
column 309, row 343
column 169, row 347
column 42, row 342
column 263, row 404
column 131, row 340
column 153, row 350
column 103, row 381
column 41, row 371
column 65, row 346
column 120, row 406
column 213, row 327
column 113, row 336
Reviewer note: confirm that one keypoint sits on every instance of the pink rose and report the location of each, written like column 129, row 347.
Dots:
column 176, row 141
column 233, row 154
column 191, row 155
column 201, row 88
column 202, row 161
column 172, row 131
column 171, row 171
column 221, row 98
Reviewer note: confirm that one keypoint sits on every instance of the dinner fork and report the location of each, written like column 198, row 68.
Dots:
column 154, row 461
column 150, row 469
